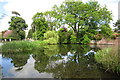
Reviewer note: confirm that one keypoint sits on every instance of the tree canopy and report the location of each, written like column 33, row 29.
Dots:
column 77, row 14
column 85, row 20
column 39, row 26
column 18, row 25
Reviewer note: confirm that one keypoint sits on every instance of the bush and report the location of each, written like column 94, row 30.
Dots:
column 98, row 37
column 51, row 41
column 64, row 37
column 85, row 40
column 108, row 57
column 51, row 37
column 113, row 37
column 73, row 39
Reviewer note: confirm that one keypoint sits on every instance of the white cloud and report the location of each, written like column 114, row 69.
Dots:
column 4, row 23
column 28, row 8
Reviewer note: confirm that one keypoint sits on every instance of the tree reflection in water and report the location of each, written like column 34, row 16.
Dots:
column 19, row 59
column 63, row 61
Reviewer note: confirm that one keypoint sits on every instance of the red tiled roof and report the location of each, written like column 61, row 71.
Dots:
column 7, row 33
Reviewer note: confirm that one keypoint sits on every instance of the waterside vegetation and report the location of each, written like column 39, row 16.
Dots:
column 109, row 59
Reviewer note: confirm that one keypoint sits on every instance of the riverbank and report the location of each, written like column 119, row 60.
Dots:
column 104, row 41
column 109, row 59
column 18, row 46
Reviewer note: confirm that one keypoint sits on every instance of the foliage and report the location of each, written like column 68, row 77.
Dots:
column 30, row 33
column 85, row 40
column 51, row 37
column 75, row 14
column 64, row 36
column 53, row 23
column 73, row 39
column 51, row 50
column 0, row 35
column 84, row 18
column 50, row 34
column 16, row 13
column 18, row 46
column 97, row 37
column 108, row 59
column 51, row 41
column 18, row 25
column 117, row 24
column 113, row 37
column 39, row 26
column 106, row 31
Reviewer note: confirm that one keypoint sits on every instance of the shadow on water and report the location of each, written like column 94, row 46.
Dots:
column 54, row 61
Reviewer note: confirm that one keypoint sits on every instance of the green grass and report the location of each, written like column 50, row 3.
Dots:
column 108, row 57
column 17, row 46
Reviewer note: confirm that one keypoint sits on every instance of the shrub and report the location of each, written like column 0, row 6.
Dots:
column 64, row 35
column 97, row 37
column 85, row 40
column 108, row 57
column 73, row 39
column 51, row 41
column 51, row 37
column 113, row 37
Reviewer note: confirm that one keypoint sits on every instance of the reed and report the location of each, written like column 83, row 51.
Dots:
column 109, row 59
column 17, row 46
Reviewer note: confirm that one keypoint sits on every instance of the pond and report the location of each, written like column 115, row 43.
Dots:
column 54, row 61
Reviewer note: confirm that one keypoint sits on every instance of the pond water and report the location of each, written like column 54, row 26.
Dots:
column 54, row 61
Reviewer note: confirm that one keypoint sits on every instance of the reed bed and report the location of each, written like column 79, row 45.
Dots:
column 109, row 59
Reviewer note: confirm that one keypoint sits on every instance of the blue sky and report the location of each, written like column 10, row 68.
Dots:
column 27, row 8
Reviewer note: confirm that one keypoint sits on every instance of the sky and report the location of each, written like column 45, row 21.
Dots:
column 28, row 8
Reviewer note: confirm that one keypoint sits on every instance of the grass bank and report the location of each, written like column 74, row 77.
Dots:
column 17, row 46
column 108, row 58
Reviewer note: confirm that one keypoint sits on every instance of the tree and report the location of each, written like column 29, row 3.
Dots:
column 39, row 26
column 18, row 25
column 79, row 15
column 30, row 33
column 16, row 13
column 117, row 24
column 51, row 37
column 53, row 24
column 106, row 31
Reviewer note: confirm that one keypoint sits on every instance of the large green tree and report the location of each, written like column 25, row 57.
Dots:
column 85, row 19
column 39, row 26
column 89, row 16
column 18, row 25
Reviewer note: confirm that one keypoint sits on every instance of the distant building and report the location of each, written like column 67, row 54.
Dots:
column 7, row 33
column 119, row 10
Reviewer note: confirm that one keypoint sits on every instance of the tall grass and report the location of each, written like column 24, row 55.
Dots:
column 109, row 59
column 17, row 46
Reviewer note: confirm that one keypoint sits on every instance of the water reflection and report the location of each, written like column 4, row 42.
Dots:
column 54, row 61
